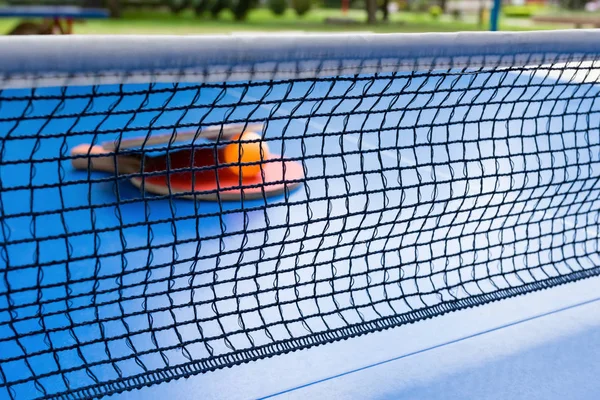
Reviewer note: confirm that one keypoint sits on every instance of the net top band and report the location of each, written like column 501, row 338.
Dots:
column 122, row 59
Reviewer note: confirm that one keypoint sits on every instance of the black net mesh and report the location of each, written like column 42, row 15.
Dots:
column 423, row 192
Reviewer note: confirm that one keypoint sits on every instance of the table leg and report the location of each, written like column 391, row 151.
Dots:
column 57, row 27
column 65, row 29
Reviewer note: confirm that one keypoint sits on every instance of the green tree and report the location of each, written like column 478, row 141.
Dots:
column 573, row 4
column 216, row 6
column 444, row 5
column 240, row 8
column 201, row 6
column 278, row 7
column 384, row 10
column 301, row 6
column 371, row 11
column 177, row 6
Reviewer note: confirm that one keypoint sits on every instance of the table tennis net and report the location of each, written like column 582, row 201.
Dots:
column 424, row 191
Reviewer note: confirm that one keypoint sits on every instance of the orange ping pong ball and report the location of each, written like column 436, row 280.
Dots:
column 246, row 148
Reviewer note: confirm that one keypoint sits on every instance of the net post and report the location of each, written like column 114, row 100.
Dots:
column 495, row 15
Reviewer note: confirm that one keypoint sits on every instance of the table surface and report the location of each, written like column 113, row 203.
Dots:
column 53, row 12
column 543, row 344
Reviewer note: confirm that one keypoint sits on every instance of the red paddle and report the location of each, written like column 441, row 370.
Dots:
column 193, row 173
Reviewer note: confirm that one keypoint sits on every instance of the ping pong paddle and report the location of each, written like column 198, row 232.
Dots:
column 210, row 133
column 190, row 173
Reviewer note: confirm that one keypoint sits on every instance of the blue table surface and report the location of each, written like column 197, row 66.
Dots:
column 458, row 352
column 544, row 345
column 53, row 12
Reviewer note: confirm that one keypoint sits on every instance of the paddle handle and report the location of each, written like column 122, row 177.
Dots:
column 97, row 158
column 210, row 133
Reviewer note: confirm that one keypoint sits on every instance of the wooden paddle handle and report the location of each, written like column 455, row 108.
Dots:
column 210, row 133
column 97, row 158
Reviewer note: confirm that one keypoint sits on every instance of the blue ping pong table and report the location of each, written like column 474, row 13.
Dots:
column 540, row 345
column 61, row 16
column 543, row 345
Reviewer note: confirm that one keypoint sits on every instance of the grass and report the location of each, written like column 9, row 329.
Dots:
column 262, row 20
column 556, row 11
column 522, row 11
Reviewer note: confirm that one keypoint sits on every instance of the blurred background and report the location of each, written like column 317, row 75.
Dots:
column 310, row 16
